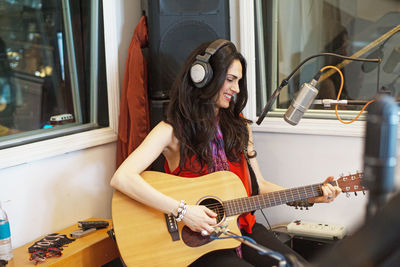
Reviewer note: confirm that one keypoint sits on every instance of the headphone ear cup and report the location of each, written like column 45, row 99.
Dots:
column 200, row 73
column 197, row 72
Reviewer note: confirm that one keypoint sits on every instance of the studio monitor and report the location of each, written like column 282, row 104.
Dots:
column 175, row 28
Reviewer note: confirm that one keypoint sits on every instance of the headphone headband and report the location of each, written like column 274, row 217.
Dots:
column 216, row 45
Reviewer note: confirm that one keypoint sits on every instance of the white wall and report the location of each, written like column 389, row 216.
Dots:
column 129, row 13
column 293, row 160
column 48, row 195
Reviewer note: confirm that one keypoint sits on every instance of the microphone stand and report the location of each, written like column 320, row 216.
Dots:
column 328, row 102
column 261, row 249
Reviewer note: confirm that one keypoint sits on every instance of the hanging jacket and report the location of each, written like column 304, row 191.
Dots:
column 134, row 121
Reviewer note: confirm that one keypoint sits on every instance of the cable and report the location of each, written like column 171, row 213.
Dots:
column 253, row 244
column 234, row 236
column 265, row 217
column 340, row 92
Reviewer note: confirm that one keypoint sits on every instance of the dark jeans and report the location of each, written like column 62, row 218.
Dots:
column 251, row 257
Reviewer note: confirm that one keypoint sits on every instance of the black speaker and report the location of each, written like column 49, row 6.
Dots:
column 175, row 28
column 158, row 109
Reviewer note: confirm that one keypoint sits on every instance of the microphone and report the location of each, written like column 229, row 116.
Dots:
column 301, row 103
column 380, row 151
column 392, row 61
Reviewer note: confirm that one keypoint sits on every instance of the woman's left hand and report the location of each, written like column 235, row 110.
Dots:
column 329, row 191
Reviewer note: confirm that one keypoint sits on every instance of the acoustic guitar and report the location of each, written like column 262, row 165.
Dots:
column 144, row 239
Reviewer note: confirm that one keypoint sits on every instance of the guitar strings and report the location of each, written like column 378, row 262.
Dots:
column 275, row 198
column 245, row 203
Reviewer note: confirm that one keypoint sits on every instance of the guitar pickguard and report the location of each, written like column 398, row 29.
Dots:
column 194, row 239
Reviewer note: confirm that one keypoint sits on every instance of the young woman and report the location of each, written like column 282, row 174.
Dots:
column 205, row 132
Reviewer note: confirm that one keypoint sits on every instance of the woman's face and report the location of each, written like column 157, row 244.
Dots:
column 230, row 86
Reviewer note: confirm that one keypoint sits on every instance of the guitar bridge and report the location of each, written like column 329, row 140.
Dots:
column 172, row 227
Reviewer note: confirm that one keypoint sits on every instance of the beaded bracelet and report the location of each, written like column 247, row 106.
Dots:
column 181, row 211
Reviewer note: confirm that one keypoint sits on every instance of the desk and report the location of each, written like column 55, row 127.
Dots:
column 307, row 247
column 94, row 249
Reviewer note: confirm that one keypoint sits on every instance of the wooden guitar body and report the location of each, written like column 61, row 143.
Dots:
column 141, row 232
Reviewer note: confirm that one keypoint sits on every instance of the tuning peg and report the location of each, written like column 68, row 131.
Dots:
column 350, row 176
column 306, row 208
column 301, row 208
column 363, row 192
column 296, row 208
column 347, row 194
column 355, row 193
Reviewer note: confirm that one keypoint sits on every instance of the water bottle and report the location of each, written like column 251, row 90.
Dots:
column 5, row 237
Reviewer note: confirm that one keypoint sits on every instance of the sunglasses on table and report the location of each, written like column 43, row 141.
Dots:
column 41, row 255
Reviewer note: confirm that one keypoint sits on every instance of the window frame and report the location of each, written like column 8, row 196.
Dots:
column 57, row 146
column 274, row 122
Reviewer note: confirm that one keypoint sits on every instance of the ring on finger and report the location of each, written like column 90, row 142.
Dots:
column 204, row 232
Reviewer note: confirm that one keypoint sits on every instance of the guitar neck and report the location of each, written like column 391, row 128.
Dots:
column 247, row 204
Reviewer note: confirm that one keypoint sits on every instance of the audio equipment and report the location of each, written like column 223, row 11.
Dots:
column 303, row 101
column 375, row 244
column 175, row 28
column 158, row 113
column 380, row 151
column 201, row 71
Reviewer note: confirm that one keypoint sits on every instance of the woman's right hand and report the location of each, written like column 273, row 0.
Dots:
column 199, row 218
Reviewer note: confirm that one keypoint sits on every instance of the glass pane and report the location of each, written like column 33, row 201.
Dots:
column 32, row 72
column 45, row 67
column 353, row 27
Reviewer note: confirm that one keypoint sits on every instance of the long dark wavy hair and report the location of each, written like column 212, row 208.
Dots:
column 191, row 110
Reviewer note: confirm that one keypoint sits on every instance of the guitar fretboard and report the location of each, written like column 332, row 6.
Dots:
column 247, row 204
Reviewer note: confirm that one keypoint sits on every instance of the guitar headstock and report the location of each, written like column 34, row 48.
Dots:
column 351, row 183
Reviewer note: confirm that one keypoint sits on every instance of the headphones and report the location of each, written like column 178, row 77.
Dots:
column 201, row 71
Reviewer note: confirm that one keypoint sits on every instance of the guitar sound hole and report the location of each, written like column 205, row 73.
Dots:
column 216, row 206
column 195, row 239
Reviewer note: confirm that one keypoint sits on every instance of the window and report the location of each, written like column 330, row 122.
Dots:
column 288, row 31
column 52, row 70
column 98, row 135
